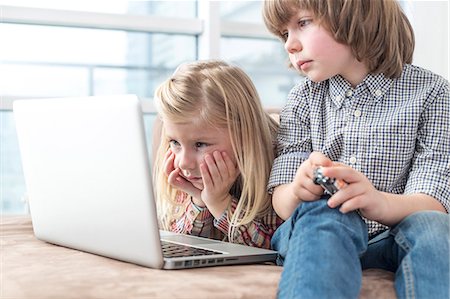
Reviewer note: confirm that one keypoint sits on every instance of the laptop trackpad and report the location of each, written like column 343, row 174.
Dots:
column 184, row 239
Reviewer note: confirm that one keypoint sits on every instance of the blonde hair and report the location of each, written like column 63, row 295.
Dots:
column 221, row 96
column 377, row 31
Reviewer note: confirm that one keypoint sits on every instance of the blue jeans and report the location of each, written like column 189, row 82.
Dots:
column 324, row 252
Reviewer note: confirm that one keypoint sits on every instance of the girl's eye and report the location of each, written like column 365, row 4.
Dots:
column 174, row 143
column 284, row 35
column 200, row 144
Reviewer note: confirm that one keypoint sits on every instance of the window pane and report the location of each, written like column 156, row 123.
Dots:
column 11, row 175
column 186, row 9
column 93, row 46
column 22, row 80
column 241, row 11
column 265, row 61
column 125, row 81
column 41, row 61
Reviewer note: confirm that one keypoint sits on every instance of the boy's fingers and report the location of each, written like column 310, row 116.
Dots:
column 319, row 159
column 345, row 173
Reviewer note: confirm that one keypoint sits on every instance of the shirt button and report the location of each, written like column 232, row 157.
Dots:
column 338, row 98
column 352, row 160
column 192, row 213
column 349, row 93
column 378, row 92
column 357, row 113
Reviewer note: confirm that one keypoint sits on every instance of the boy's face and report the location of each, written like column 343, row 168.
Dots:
column 314, row 52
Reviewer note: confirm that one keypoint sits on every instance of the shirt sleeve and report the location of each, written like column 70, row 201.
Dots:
column 257, row 233
column 194, row 221
column 430, row 172
column 293, row 139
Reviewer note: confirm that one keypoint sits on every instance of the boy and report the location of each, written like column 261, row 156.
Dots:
column 372, row 120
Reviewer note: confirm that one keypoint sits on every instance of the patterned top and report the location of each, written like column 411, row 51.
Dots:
column 199, row 221
column 395, row 131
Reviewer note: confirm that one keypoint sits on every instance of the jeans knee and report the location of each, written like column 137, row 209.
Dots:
column 429, row 228
column 317, row 215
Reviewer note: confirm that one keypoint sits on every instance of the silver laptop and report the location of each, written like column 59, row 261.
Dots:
column 89, row 185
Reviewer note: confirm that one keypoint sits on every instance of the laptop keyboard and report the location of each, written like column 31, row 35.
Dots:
column 179, row 250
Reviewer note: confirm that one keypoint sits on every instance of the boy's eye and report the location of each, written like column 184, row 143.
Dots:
column 303, row 23
column 284, row 35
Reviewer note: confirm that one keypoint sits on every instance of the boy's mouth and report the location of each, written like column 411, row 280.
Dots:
column 303, row 64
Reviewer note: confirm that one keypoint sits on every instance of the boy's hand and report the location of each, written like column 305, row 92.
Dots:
column 177, row 181
column 303, row 185
column 358, row 194
column 218, row 173
column 287, row 197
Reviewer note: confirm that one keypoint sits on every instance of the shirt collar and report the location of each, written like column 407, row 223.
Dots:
column 376, row 84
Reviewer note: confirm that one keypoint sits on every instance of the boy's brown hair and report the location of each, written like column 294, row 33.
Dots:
column 377, row 31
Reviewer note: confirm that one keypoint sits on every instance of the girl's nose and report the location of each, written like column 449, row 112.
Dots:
column 186, row 160
column 292, row 44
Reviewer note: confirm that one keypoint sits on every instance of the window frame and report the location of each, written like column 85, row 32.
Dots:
column 207, row 27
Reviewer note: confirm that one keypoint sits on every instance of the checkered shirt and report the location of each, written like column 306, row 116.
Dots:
column 395, row 131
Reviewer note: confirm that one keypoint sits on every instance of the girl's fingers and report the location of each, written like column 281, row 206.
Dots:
column 179, row 182
column 168, row 166
column 174, row 177
column 206, row 176
column 212, row 169
column 221, row 165
column 232, row 169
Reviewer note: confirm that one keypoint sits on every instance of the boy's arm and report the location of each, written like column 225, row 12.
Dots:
column 400, row 206
column 283, row 201
column 287, row 197
column 386, row 208
column 293, row 149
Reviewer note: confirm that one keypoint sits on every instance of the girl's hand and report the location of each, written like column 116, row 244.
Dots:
column 219, row 174
column 358, row 194
column 177, row 181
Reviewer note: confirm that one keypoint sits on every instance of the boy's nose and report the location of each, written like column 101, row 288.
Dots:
column 292, row 44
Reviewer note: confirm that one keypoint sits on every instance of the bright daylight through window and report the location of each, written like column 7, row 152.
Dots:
column 54, row 48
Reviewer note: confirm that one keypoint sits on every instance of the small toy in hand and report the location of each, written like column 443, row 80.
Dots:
column 331, row 185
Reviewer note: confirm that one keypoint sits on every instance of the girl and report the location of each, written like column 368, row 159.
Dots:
column 215, row 156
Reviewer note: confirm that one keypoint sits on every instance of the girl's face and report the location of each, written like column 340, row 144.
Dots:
column 190, row 142
column 314, row 52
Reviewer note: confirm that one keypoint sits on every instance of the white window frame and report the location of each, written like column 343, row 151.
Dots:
column 208, row 27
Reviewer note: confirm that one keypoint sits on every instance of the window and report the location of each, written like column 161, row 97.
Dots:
column 266, row 63
column 94, row 47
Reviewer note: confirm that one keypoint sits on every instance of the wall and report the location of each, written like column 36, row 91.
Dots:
column 430, row 20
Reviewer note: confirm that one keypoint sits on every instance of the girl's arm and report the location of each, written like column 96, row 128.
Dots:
column 194, row 220
column 257, row 233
